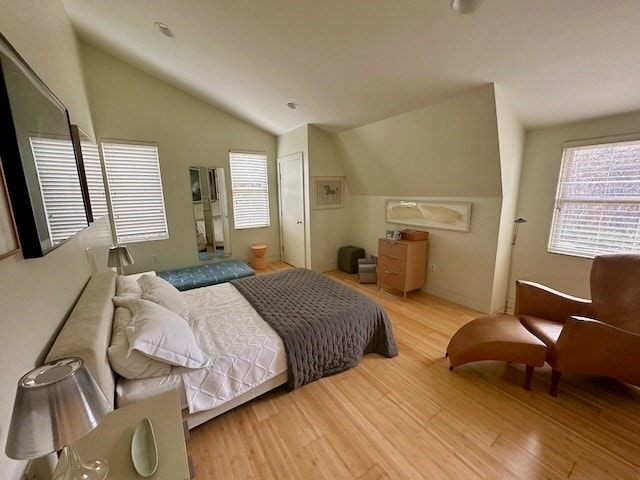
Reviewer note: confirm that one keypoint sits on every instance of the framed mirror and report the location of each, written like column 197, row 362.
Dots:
column 210, row 212
column 38, row 158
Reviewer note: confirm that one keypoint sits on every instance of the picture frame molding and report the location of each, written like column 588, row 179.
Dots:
column 317, row 184
column 7, row 222
column 465, row 207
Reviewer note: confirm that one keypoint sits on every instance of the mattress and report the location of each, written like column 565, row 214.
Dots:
column 245, row 351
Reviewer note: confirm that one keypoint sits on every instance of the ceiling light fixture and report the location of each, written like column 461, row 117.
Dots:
column 165, row 30
column 293, row 105
column 465, row 6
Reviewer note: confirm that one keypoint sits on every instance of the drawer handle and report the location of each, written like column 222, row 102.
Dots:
column 391, row 273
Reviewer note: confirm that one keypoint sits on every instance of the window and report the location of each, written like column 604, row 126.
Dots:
column 60, row 187
column 135, row 189
column 93, row 172
column 598, row 200
column 249, row 189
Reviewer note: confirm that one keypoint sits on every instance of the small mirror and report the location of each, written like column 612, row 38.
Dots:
column 210, row 213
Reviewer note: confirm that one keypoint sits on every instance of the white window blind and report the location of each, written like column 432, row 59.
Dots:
column 249, row 189
column 598, row 200
column 135, row 189
column 60, row 187
column 93, row 172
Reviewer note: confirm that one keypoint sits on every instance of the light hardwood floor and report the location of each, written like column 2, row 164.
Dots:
column 410, row 417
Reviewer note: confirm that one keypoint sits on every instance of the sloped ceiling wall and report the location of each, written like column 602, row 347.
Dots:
column 445, row 150
column 448, row 152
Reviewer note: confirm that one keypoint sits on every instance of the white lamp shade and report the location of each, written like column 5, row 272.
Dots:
column 55, row 405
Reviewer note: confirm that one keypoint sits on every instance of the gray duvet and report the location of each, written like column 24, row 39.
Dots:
column 326, row 327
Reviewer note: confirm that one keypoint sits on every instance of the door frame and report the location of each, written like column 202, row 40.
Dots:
column 279, row 160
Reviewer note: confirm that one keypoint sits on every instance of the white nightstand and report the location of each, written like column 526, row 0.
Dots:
column 111, row 440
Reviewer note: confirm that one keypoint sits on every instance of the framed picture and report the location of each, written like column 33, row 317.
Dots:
column 8, row 238
column 196, row 190
column 445, row 215
column 328, row 192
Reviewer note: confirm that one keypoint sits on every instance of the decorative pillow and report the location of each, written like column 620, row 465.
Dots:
column 134, row 364
column 163, row 335
column 158, row 290
column 127, row 288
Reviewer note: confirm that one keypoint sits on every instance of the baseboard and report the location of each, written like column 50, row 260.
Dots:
column 460, row 299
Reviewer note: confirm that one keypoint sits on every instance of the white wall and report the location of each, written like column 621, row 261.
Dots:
column 511, row 143
column 128, row 104
column 541, row 166
column 37, row 294
column 448, row 151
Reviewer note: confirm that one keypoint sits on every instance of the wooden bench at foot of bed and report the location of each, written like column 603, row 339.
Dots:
column 205, row 275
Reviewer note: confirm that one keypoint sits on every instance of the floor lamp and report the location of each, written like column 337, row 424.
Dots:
column 517, row 221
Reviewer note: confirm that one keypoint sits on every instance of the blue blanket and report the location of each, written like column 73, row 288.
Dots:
column 205, row 275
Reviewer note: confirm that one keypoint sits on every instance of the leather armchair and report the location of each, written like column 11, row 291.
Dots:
column 600, row 336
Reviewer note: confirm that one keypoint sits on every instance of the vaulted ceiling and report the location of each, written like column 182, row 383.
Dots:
column 351, row 62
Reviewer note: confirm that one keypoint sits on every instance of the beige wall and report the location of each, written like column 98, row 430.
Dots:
column 444, row 150
column 542, row 157
column 42, row 34
column 511, row 144
column 464, row 261
column 297, row 141
column 447, row 151
column 128, row 104
column 37, row 294
column 326, row 230
column 329, row 227
column 36, row 297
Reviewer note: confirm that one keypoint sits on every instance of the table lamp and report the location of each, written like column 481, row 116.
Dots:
column 55, row 405
column 119, row 256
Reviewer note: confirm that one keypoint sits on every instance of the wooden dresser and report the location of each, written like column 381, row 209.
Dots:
column 402, row 264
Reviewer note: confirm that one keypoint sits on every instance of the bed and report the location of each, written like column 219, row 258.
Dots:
column 254, row 334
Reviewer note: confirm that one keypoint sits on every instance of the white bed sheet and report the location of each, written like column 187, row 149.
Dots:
column 246, row 352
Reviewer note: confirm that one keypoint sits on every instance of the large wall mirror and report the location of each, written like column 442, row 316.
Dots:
column 210, row 212
column 38, row 159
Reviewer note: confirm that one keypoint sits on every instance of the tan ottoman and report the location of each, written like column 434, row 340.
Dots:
column 497, row 338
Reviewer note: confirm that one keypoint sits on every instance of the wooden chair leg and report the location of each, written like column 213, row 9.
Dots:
column 528, row 376
column 555, row 379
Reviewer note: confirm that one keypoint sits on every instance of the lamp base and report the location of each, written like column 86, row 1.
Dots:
column 71, row 467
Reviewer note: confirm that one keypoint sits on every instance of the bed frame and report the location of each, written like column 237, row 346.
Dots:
column 87, row 334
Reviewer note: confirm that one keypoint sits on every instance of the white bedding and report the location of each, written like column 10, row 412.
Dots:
column 245, row 351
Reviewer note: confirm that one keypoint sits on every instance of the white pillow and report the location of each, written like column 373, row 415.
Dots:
column 158, row 290
column 163, row 335
column 127, row 288
column 126, row 285
column 134, row 364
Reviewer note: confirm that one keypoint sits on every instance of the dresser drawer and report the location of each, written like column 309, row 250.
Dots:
column 392, row 264
column 395, row 280
column 392, row 249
